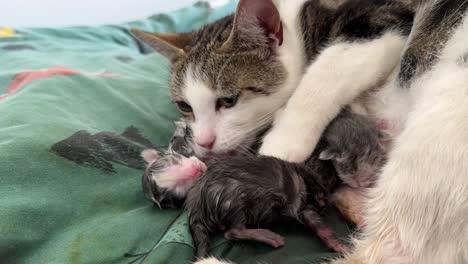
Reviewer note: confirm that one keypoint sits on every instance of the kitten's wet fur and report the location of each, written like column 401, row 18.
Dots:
column 231, row 201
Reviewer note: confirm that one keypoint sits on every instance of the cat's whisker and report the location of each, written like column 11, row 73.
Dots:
column 260, row 121
column 244, row 150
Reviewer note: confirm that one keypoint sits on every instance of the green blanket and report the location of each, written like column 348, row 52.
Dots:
column 76, row 107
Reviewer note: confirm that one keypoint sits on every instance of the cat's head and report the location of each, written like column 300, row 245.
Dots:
column 227, row 78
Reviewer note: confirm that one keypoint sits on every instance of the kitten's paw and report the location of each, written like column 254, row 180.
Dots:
column 260, row 235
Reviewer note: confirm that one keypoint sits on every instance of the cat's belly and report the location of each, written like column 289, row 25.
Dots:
column 387, row 106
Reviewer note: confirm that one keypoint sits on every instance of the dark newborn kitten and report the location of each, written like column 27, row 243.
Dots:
column 182, row 141
column 244, row 192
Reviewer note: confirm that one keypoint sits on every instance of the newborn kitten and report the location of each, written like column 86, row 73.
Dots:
column 169, row 176
column 227, row 196
column 353, row 144
column 182, row 140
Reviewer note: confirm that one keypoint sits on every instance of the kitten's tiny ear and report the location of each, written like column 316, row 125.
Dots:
column 328, row 155
column 172, row 45
column 256, row 23
column 150, row 155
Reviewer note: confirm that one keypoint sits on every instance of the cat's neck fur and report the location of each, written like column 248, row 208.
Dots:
column 291, row 52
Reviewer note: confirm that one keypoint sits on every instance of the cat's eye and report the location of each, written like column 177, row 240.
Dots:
column 184, row 107
column 253, row 89
column 257, row 90
column 227, row 102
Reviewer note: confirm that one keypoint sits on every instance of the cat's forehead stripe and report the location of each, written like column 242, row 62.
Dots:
column 197, row 92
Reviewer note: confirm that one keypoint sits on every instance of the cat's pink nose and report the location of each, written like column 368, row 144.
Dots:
column 207, row 143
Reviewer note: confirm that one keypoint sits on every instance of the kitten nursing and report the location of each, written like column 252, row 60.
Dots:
column 224, row 192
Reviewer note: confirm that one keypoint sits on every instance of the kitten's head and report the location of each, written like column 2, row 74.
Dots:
column 357, row 164
column 168, row 177
column 227, row 77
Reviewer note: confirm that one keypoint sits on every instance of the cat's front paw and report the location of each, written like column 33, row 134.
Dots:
column 285, row 147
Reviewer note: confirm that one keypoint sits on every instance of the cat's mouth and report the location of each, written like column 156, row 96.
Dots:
column 247, row 146
column 220, row 155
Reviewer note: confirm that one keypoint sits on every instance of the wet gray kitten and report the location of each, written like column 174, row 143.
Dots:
column 244, row 193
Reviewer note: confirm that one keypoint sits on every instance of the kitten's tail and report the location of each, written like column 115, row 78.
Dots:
column 200, row 235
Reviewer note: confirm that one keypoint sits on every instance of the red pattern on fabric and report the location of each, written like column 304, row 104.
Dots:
column 24, row 78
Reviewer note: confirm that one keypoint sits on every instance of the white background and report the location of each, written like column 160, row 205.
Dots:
column 50, row 13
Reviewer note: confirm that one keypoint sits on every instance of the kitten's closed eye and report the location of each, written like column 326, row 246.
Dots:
column 184, row 107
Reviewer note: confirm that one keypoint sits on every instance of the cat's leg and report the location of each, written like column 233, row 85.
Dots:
column 341, row 73
column 264, row 236
column 418, row 211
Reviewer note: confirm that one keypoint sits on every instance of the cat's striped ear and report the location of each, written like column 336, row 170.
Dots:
column 172, row 46
column 257, row 23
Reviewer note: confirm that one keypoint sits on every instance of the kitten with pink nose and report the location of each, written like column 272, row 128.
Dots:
column 169, row 176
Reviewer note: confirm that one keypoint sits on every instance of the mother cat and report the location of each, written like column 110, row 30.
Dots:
column 300, row 62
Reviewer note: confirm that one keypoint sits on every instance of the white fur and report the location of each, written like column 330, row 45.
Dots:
column 291, row 53
column 387, row 104
column 341, row 73
column 418, row 212
column 202, row 99
column 211, row 260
